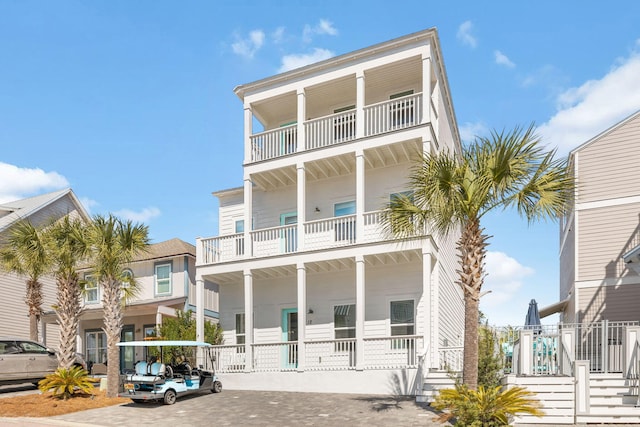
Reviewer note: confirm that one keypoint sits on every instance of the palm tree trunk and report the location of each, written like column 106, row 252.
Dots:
column 33, row 300
column 68, row 311
column 112, row 307
column 472, row 250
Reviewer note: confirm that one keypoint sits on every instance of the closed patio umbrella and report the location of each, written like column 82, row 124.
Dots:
column 532, row 321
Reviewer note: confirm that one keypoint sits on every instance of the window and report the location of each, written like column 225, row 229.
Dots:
column 240, row 226
column 91, row 295
column 96, row 345
column 345, row 228
column 402, row 111
column 240, row 331
column 396, row 197
column 344, row 321
column 31, row 347
column 127, row 278
column 240, row 240
column 163, row 279
column 402, row 318
column 150, row 332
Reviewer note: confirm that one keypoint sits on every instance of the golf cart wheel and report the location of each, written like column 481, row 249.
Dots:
column 217, row 387
column 169, row 397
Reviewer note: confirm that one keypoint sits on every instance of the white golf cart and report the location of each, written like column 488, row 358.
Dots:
column 155, row 380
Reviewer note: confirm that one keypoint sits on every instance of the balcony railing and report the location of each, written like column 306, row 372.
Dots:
column 387, row 116
column 319, row 234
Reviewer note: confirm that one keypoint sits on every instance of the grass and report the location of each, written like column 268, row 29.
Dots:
column 45, row 405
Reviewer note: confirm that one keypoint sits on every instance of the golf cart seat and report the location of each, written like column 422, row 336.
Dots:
column 142, row 368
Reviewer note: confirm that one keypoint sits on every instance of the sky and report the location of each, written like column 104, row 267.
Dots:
column 131, row 103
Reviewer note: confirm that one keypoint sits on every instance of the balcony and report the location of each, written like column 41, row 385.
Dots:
column 319, row 234
column 379, row 118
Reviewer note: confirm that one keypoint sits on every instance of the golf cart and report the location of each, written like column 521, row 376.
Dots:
column 155, row 380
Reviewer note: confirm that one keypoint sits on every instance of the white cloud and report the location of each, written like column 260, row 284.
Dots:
column 290, row 62
column 465, row 36
column 17, row 183
column 587, row 110
column 323, row 27
column 278, row 35
column 504, row 278
column 469, row 131
column 88, row 204
column 502, row 59
column 249, row 45
column 143, row 216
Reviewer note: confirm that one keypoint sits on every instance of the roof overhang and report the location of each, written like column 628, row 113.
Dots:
column 553, row 308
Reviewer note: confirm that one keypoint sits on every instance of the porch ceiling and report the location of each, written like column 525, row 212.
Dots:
column 344, row 164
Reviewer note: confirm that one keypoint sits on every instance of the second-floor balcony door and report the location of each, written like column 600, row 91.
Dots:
column 345, row 230
column 289, row 235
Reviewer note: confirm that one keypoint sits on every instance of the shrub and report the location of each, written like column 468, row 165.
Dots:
column 485, row 407
column 63, row 383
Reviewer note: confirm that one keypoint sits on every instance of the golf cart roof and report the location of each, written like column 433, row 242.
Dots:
column 168, row 343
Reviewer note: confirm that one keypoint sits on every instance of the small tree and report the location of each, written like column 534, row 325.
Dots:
column 489, row 360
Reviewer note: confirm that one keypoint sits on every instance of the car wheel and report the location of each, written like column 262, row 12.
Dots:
column 217, row 387
column 169, row 397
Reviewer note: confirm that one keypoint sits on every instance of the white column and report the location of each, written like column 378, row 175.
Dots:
column 248, row 320
column 302, row 140
column 248, row 131
column 426, row 86
column 360, row 312
column 199, row 309
column 360, row 123
column 526, row 352
column 248, row 216
column 430, row 339
column 631, row 338
column 567, row 345
column 302, row 314
column 158, row 321
column 582, row 387
column 360, row 196
column 302, row 205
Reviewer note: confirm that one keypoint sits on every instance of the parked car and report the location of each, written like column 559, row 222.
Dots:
column 158, row 381
column 23, row 361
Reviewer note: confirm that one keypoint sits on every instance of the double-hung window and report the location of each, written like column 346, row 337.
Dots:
column 240, row 329
column 127, row 278
column 403, row 321
column 345, row 227
column 344, row 325
column 163, row 279
column 91, row 294
column 239, row 227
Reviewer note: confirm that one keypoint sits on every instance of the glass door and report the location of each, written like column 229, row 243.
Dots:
column 290, row 336
column 127, row 354
column 289, row 236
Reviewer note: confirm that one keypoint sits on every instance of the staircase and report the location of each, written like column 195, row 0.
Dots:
column 433, row 381
column 611, row 401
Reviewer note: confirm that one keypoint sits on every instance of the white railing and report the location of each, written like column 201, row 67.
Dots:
column 275, row 240
column 226, row 358
column 399, row 113
column 275, row 357
column 330, row 355
column 223, row 248
column 373, row 226
column 329, row 233
column 392, row 352
column 274, row 143
column 450, row 358
column 330, row 130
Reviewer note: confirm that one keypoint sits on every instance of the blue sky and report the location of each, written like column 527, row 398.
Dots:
column 131, row 103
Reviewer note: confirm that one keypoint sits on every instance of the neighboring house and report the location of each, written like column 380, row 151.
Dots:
column 314, row 295
column 39, row 210
column 601, row 232
column 166, row 282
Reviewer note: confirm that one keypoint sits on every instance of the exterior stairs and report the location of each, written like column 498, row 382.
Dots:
column 434, row 380
column 613, row 399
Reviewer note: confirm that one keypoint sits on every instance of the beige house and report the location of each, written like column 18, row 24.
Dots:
column 601, row 233
column 314, row 296
column 39, row 210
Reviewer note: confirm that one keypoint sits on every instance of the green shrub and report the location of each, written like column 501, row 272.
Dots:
column 63, row 383
column 485, row 407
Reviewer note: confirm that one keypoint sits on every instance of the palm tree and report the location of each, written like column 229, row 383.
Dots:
column 453, row 193
column 114, row 244
column 68, row 247
column 25, row 254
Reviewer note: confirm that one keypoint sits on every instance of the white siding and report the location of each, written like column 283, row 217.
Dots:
column 614, row 303
column 451, row 325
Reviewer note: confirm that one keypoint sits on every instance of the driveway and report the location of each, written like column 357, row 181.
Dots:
column 255, row 408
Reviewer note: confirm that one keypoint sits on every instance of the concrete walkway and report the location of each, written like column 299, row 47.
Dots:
column 252, row 408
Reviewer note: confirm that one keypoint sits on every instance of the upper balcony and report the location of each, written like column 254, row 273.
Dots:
column 370, row 102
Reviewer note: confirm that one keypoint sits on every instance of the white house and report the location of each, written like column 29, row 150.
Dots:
column 313, row 295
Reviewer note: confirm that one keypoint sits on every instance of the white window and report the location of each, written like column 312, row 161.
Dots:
column 96, row 345
column 91, row 294
column 163, row 279
column 402, row 318
column 344, row 321
column 240, row 330
column 127, row 278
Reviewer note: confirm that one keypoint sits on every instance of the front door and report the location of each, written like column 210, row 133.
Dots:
column 127, row 354
column 290, row 336
column 289, row 235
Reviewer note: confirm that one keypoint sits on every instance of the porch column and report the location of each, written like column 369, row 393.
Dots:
column 425, row 311
column 302, row 140
column 360, row 195
column 248, row 320
column 582, row 379
column 526, row 352
column 360, row 122
column 248, row 216
column 568, row 346
column 631, row 339
column 426, row 85
column 302, row 314
column 248, row 131
column 302, row 205
column 199, row 309
column 360, row 312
